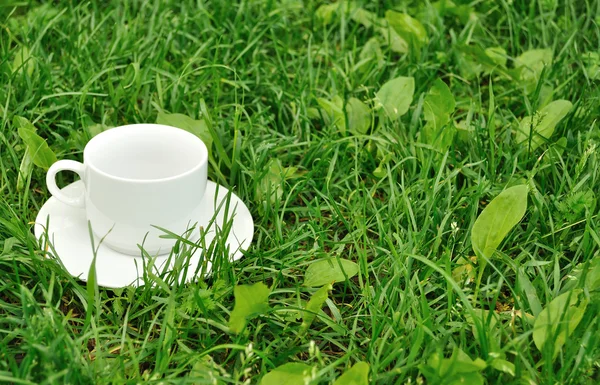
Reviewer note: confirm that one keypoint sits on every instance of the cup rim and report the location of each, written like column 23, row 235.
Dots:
column 90, row 144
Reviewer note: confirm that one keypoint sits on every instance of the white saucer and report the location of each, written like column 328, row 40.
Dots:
column 70, row 242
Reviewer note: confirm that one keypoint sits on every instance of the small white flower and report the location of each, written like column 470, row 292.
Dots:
column 311, row 348
column 249, row 352
column 454, row 227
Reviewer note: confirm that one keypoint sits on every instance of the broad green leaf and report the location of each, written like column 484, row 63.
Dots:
column 388, row 34
column 530, row 65
column 24, row 170
column 468, row 68
column 328, row 271
column 326, row 12
column 313, row 306
column 371, row 51
column 545, row 96
column 392, row 39
column 442, row 7
column 9, row 243
column 503, row 366
column 465, row 13
column 591, row 270
column 21, row 122
column 439, row 101
column 497, row 219
column 250, row 300
column 438, row 105
column 292, row 373
column 470, row 60
column 462, row 363
column 395, row 96
column 458, row 369
column 464, row 130
column 41, row 154
column 196, row 127
column 473, row 60
column 358, row 374
column 472, row 378
column 497, row 55
column 91, row 284
column 408, row 28
column 23, row 62
column 363, row 17
column 558, row 320
column 381, row 170
column 591, row 61
column 313, row 113
column 592, row 275
column 557, row 149
column 93, row 293
column 333, row 112
column 359, row 116
column 271, row 184
column 542, row 123
column 534, row 59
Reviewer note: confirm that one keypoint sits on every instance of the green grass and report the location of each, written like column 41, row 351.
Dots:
column 255, row 69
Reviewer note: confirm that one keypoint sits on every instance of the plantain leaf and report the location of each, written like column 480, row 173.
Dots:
column 497, row 219
column 530, row 65
column 327, row 271
column 542, row 123
column 333, row 112
column 37, row 147
column 591, row 271
column 292, row 373
column 271, row 184
column 313, row 306
column 395, row 96
column 359, row 116
column 438, row 105
column 356, row 375
column 363, row 17
column 250, row 300
column 407, row 28
column 326, row 12
column 458, row 369
column 392, row 39
column 558, row 320
column 23, row 62
column 592, row 64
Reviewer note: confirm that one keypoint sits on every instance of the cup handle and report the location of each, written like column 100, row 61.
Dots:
column 65, row 165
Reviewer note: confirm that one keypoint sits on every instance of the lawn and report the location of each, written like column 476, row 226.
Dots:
column 422, row 176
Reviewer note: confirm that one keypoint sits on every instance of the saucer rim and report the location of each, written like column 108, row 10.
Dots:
column 40, row 232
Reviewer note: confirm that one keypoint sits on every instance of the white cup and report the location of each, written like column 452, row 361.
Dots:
column 137, row 177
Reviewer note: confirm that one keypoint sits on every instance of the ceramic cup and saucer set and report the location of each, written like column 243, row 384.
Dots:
column 136, row 180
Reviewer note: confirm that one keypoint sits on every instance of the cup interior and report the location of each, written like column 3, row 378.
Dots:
column 145, row 152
